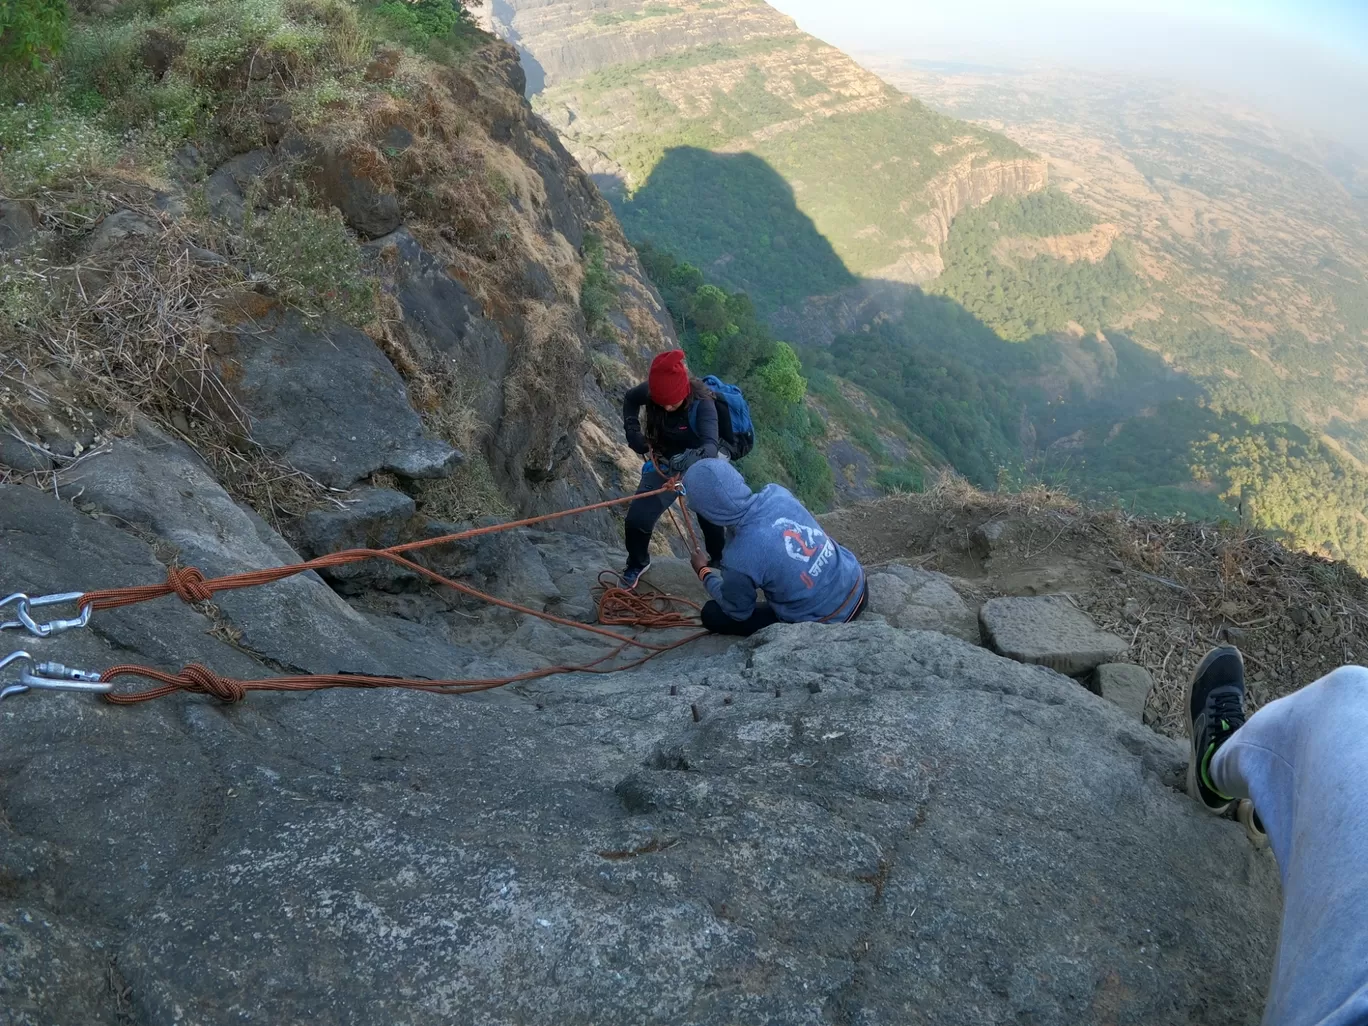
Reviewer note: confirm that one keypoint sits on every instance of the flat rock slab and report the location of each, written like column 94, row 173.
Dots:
column 1124, row 685
column 1048, row 630
column 931, row 834
column 849, row 823
column 916, row 599
column 328, row 401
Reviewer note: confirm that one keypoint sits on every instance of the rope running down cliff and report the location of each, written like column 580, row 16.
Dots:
column 617, row 607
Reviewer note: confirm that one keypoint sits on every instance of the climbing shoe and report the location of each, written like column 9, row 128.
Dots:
column 1249, row 819
column 632, row 576
column 1215, row 707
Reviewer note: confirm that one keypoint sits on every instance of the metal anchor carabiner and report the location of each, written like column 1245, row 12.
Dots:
column 50, row 677
column 23, row 606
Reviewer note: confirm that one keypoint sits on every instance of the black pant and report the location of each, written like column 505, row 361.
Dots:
column 718, row 622
column 643, row 514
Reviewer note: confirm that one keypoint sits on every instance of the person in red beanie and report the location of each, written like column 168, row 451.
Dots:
column 680, row 429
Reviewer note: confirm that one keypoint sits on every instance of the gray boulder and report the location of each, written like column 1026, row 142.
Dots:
column 352, row 176
column 912, row 598
column 369, row 518
column 328, row 401
column 1048, row 630
column 933, row 833
column 226, row 189
column 18, row 453
column 1124, row 685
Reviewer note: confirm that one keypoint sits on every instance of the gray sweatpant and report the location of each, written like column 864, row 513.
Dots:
column 1303, row 760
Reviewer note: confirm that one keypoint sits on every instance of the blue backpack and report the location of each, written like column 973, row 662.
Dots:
column 734, row 426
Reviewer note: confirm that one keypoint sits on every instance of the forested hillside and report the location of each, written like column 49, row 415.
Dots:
column 754, row 151
column 1182, row 336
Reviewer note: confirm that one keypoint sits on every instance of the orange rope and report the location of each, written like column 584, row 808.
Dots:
column 617, row 607
column 192, row 586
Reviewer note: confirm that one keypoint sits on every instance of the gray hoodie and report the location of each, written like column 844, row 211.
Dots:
column 774, row 544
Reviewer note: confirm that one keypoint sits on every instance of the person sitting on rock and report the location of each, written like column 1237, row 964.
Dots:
column 775, row 545
column 1297, row 767
column 681, row 428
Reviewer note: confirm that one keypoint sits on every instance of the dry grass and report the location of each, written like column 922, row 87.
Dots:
column 1171, row 588
column 131, row 333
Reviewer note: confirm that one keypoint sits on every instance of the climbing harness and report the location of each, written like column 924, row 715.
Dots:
column 617, row 607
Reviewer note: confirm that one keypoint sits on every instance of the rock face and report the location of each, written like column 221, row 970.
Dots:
column 862, row 824
column 329, row 402
column 1048, row 630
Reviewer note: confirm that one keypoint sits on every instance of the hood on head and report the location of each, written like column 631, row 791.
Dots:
column 717, row 492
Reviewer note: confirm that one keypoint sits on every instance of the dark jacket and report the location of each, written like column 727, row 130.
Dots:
column 776, row 545
column 675, row 434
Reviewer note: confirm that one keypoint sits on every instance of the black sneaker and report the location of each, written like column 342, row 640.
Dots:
column 1215, row 705
column 632, row 576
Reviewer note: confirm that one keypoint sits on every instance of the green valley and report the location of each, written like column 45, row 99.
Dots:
column 1090, row 284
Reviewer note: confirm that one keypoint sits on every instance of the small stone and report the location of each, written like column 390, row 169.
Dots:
column 18, row 223
column 275, row 119
column 987, row 538
column 1048, row 630
column 207, row 257
column 398, row 139
column 117, row 229
column 1125, row 685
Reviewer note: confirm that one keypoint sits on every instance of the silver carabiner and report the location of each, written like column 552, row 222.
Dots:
column 23, row 606
column 50, row 677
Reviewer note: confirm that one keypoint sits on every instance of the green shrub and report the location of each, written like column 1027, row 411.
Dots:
column 313, row 260
column 893, row 480
column 30, row 30
column 782, row 375
column 418, row 21
column 598, row 294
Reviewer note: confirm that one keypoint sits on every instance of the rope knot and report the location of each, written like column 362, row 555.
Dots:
column 188, row 584
column 204, row 681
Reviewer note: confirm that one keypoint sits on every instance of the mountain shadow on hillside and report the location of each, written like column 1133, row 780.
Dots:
column 735, row 217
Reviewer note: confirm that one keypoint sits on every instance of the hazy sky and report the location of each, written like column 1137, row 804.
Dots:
column 1306, row 61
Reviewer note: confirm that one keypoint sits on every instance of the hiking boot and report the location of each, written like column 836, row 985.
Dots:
column 1215, row 708
column 1249, row 819
column 632, row 576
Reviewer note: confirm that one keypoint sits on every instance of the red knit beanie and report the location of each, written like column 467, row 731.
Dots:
column 669, row 378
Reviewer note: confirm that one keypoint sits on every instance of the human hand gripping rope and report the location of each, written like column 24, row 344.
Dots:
column 617, row 607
